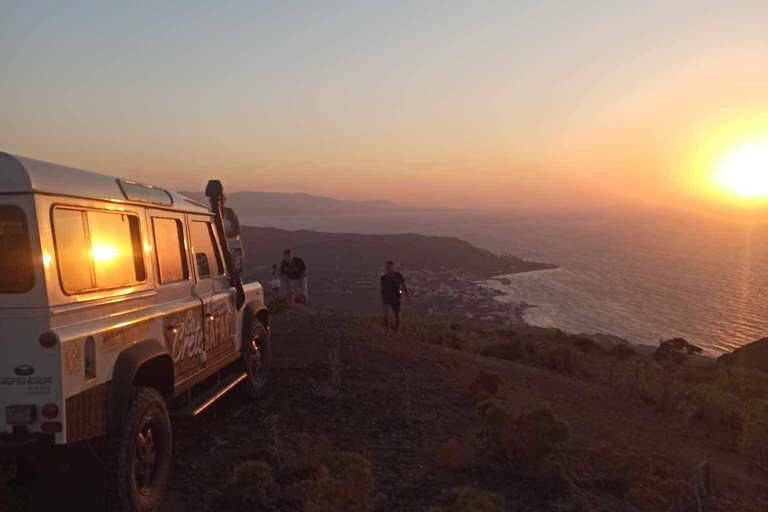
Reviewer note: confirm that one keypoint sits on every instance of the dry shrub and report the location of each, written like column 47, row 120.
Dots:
column 648, row 385
column 646, row 483
column 508, row 350
column 347, row 487
column 756, row 384
column 754, row 441
column 485, row 385
column 468, row 499
column 453, row 455
column 529, row 445
column 712, row 406
column 310, row 453
column 252, row 485
column 448, row 336
column 535, row 435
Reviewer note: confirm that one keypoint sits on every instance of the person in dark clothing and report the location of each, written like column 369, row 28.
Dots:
column 294, row 272
column 392, row 287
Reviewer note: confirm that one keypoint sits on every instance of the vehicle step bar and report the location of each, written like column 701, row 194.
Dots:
column 208, row 398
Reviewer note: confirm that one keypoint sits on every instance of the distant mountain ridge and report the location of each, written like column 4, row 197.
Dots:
column 349, row 252
column 274, row 204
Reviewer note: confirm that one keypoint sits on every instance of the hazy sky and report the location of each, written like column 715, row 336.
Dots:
column 499, row 104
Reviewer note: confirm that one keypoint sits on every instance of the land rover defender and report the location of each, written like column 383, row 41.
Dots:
column 120, row 308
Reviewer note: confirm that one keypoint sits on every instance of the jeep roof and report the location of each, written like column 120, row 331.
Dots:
column 20, row 175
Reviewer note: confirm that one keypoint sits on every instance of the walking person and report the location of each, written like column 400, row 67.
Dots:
column 392, row 287
column 275, row 281
column 233, row 232
column 294, row 271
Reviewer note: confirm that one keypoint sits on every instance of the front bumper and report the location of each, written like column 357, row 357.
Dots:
column 23, row 447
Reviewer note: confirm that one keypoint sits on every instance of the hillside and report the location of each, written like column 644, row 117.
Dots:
column 398, row 402
column 250, row 204
column 359, row 419
column 353, row 252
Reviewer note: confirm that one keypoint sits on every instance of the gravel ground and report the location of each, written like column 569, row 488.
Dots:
column 394, row 400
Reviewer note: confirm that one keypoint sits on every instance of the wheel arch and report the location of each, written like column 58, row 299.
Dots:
column 256, row 309
column 146, row 363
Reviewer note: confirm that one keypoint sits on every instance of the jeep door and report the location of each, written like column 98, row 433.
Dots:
column 212, row 287
column 182, row 310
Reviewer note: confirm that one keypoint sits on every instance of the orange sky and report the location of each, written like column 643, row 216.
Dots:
column 498, row 106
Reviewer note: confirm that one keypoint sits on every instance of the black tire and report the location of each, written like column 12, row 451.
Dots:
column 140, row 463
column 256, row 355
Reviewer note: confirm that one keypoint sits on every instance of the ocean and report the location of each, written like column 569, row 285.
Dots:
column 644, row 276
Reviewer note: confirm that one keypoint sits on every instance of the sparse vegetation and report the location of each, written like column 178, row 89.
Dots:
column 529, row 444
column 453, row 454
column 647, row 483
column 754, row 441
column 713, row 406
column 485, row 386
column 312, row 477
column 469, row 499
column 252, row 486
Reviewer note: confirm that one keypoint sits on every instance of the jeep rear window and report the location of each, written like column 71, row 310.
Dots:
column 17, row 272
column 97, row 249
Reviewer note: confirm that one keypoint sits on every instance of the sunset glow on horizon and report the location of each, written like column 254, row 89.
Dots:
column 745, row 171
column 496, row 105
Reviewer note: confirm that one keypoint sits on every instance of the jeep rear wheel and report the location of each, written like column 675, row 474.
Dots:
column 141, row 460
column 255, row 353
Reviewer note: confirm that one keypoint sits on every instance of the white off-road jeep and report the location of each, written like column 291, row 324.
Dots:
column 119, row 309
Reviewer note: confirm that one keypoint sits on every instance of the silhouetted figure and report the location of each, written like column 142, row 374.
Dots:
column 294, row 270
column 274, row 281
column 392, row 287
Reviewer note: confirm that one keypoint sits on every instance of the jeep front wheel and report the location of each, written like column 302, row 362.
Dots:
column 141, row 460
column 255, row 353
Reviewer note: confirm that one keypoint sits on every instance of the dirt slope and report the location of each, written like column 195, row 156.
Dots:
column 394, row 401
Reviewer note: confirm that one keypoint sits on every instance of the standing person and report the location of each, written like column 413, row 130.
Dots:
column 233, row 231
column 275, row 280
column 392, row 287
column 231, row 222
column 294, row 270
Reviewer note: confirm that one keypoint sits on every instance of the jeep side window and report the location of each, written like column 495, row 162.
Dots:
column 97, row 249
column 169, row 250
column 17, row 274
column 204, row 245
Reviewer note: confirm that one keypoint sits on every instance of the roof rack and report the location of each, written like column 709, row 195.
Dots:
column 142, row 193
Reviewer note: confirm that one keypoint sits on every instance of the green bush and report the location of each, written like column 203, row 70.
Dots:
column 468, row 499
column 508, row 350
column 310, row 453
column 347, row 487
column 647, row 483
column 712, row 406
column 754, row 441
column 252, row 485
column 535, row 435
column 485, row 385
column 529, row 444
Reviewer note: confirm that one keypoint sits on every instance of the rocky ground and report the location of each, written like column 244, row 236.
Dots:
column 394, row 400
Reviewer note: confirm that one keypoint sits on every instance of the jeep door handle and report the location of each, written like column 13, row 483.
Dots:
column 174, row 328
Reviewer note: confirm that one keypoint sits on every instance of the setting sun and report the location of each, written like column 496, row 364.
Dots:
column 745, row 171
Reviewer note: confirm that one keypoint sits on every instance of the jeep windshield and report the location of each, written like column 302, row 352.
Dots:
column 17, row 272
